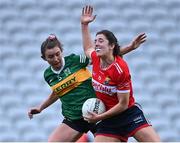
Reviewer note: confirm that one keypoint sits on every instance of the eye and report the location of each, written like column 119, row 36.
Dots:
column 101, row 40
column 50, row 57
column 58, row 53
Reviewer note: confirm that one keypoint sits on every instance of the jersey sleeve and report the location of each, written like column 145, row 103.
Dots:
column 81, row 59
column 46, row 75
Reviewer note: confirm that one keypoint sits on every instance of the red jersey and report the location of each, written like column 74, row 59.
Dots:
column 114, row 79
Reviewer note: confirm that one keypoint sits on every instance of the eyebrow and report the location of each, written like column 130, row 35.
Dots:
column 54, row 53
column 98, row 39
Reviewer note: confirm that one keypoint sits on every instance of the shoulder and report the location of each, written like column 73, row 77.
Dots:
column 77, row 59
column 120, row 67
column 47, row 73
column 70, row 56
column 94, row 56
column 121, row 63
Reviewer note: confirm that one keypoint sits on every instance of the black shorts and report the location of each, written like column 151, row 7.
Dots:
column 80, row 125
column 123, row 125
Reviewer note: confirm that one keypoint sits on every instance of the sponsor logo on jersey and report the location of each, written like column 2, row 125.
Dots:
column 110, row 90
column 67, row 71
column 66, row 84
column 71, row 82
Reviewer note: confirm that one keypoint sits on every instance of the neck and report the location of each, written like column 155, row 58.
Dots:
column 57, row 69
column 106, row 61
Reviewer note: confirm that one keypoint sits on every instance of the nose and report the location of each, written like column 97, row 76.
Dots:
column 96, row 43
column 56, row 58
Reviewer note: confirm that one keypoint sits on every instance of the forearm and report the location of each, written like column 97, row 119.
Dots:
column 141, row 38
column 87, row 41
column 117, row 109
column 126, row 49
column 121, row 106
column 50, row 100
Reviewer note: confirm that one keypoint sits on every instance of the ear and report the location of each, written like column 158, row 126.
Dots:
column 112, row 46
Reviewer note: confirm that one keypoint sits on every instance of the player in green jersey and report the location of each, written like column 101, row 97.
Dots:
column 70, row 82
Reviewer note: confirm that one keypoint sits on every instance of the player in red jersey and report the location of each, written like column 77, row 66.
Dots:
column 112, row 83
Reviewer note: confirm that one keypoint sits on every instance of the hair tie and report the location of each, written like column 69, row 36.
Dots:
column 52, row 37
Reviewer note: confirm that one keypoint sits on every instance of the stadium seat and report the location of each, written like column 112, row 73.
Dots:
column 173, row 111
column 16, row 27
column 5, row 123
column 51, row 4
column 157, row 14
column 172, row 4
column 34, row 135
column 28, row 4
column 169, row 136
column 7, row 51
column 132, row 13
column 9, row 136
column 8, row 14
column 177, row 124
column 144, row 99
column 152, row 112
column 33, row 14
column 161, row 124
column 140, row 25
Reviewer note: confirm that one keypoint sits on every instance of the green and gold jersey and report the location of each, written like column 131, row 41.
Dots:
column 72, row 84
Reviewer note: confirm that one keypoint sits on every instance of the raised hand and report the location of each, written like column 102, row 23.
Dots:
column 87, row 15
column 141, row 38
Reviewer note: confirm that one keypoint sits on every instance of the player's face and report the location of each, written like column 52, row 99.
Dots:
column 54, row 57
column 102, row 46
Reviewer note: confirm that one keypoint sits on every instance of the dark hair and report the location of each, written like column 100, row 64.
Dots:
column 49, row 43
column 112, row 40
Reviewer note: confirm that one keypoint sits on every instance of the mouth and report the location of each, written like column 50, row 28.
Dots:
column 97, row 49
column 56, row 64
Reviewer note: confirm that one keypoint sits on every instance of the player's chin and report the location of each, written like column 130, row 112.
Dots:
column 99, row 54
column 57, row 66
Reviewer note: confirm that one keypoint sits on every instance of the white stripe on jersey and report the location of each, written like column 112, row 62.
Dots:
column 82, row 58
column 118, row 68
column 123, row 91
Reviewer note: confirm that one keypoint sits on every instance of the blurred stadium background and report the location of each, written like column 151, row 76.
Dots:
column 155, row 67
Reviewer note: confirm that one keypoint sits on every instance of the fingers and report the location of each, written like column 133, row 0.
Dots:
column 87, row 10
column 141, row 38
column 30, row 115
column 91, row 113
column 33, row 111
column 83, row 11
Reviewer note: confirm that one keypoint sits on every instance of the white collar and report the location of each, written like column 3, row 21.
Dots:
column 58, row 72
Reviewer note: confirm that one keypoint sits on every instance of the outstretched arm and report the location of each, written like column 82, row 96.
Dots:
column 86, row 18
column 141, row 38
column 36, row 110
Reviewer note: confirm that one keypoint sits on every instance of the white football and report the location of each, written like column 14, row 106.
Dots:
column 93, row 105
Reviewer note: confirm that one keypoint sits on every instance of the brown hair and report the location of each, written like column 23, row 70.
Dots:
column 112, row 40
column 49, row 43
